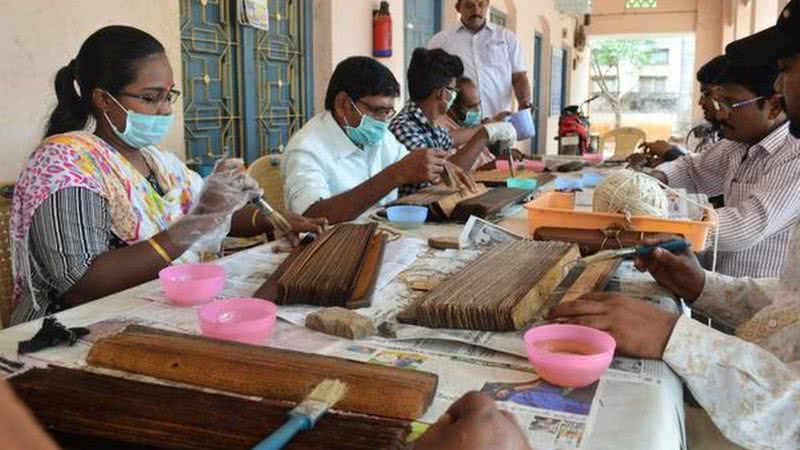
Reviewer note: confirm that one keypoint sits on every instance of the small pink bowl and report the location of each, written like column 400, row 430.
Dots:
column 192, row 284
column 247, row 320
column 569, row 355
column 593, row 157
column 536, row 166
column 502, row 164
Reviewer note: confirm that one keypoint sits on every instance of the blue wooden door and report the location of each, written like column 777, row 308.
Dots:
column 422, row 20
column 246, row 90
column 538, row 42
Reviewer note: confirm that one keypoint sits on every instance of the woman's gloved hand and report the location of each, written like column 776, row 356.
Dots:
column 225, row 191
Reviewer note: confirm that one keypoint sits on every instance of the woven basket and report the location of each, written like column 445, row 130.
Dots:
column 5, row 262
column 267, row 171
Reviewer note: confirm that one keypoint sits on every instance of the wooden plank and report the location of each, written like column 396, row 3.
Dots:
column 134, row 414
column 263, row 371
column 440, row 200
column 582, row 280
column 488, row 204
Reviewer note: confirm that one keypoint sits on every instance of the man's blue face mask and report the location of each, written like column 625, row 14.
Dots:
column 369, row 131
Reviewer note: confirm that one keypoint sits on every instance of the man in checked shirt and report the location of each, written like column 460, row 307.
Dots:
column 756, row 166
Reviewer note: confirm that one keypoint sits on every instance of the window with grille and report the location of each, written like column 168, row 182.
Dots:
column 641, row 4
column 651, row 85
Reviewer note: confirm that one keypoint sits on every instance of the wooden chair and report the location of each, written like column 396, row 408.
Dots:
column 267, row 171
column 626, row 140
column 6, row 277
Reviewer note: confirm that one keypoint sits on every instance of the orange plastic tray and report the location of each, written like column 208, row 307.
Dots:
column 557, row 210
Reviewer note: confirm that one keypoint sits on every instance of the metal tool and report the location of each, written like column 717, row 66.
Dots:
column 674, row 246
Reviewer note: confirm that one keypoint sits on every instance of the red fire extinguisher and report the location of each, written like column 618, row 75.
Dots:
column 382, row 32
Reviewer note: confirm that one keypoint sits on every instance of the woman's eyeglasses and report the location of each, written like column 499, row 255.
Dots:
column 170, row 96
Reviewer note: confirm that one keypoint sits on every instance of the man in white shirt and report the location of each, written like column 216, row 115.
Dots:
column 344, row 160
column 491, row 55
column 751, row 392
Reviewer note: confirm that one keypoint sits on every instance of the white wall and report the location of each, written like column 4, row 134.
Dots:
column 38, row 37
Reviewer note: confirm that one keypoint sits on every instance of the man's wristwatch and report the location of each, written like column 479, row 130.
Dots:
column 526, row 105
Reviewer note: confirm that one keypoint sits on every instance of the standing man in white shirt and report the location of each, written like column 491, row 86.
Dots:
column 491, row 55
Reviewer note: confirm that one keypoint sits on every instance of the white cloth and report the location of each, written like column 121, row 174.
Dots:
column 321, row 162
column 750, row 390
column 760, row 184
column 490, row 57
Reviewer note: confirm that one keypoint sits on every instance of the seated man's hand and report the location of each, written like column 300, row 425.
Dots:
column 420, row 166
column 302, row 224
column 461, row 177
column 501, row 132
column 657, row 148
column 474, row 423
column 680, row 273
column 641, row 329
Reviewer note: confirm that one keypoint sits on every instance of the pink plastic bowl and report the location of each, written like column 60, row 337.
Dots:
column 247, row 320
column 536, row 166
column 502, row 164
column 584, row 356
column 192, row 284
column 593, row 157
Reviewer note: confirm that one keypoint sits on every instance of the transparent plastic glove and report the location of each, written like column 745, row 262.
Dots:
column 226, row 190
column 502, row 132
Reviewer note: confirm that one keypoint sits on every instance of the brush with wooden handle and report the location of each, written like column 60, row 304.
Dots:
column 305, row 415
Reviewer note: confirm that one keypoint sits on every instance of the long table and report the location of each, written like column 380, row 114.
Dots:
column 638, row 405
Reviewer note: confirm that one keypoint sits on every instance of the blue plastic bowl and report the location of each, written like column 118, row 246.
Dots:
column 521, row 183
column 592, row 179
column 407, row 216
column 567, row 184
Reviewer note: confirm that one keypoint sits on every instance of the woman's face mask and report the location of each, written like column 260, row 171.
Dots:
column 369, row 131
column 142, row 130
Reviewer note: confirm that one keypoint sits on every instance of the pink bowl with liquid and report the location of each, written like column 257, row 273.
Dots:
column 246, row 320
column 569, row 355
column 192, row 284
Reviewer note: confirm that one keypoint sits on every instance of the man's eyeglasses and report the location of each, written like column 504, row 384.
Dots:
column 385, row 114
column 170, row 96
column 726, row 107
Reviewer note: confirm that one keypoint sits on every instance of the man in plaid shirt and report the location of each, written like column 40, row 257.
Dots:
column 432, row 78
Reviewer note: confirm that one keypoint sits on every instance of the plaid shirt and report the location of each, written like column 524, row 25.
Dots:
column 415, row 131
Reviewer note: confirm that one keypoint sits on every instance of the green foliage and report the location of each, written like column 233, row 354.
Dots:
column 615, row 52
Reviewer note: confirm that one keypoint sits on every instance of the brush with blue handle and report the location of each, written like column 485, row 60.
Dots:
column 305, row 415
column 673, row 246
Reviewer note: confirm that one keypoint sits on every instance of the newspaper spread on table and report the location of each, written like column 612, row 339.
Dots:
column 464, row 360
column 494, row 363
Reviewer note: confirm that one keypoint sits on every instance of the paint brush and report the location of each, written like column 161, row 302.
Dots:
column 274, row 217
column 674, row 246
column 305, row 415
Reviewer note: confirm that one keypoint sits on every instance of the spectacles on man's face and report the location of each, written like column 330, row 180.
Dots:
column 379, row 112
column 171, row 96
column 723, row 106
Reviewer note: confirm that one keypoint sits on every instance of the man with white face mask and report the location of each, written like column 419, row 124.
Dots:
column 344, row 160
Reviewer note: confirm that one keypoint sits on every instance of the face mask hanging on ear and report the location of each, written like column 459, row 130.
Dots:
column 452, row 100
column 142, row 130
